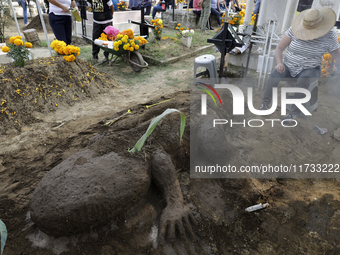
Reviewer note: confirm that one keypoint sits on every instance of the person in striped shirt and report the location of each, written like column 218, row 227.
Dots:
column 307, row 40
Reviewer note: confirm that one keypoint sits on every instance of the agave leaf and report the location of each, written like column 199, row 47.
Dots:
column 152, row 126
column 3, row 235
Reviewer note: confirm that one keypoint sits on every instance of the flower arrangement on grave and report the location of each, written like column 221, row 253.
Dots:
column 121, row 6
column 70, row 51
column 158, row 24
column 237, row 19
column 184, row 32
column 328, row 65
column 126, row 40
column 141, row 40
column 18, row 50
column 253, row 18
column 111, row 32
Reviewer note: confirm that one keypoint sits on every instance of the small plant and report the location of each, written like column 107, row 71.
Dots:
column 3, row 236
column 184, row 31
column 70, row 51
column 5, row 17
column 121, row 6
column 18, row 51
column 157, row 31
column 152, row 126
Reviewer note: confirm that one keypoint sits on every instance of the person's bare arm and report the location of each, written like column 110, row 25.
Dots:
column 74, row 5
column 283, row 44
column 61, row 6
column 200, row 2
column 237, row 4
column 112, row 9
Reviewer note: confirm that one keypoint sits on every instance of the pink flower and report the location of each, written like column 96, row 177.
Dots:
column 110, row 30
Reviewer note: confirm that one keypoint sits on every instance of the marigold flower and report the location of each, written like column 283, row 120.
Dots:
column 5, row 49
column 11, row 39
column 28, row 45
column 136, row 47
column 18, row 42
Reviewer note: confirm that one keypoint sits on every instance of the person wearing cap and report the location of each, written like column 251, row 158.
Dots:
column 308, row 39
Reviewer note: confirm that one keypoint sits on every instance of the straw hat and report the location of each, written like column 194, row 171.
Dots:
column 313, row 23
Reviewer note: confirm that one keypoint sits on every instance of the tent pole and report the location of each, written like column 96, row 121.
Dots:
column 43, row 25
column 15, row 18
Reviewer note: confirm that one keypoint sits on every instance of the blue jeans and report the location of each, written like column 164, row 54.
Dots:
column 217, row 15
column 156, row 8
column 61, row 26
column 23, row 4
column 301, row 80
column 257, row 7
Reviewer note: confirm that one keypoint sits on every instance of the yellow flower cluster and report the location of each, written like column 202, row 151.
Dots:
column 121, row 6
column 180, row 30
column 13, row 38
column 103, row 37
column 123, row 42
column 70, row 58
column 141, row 40
column 253, row 18
column 18, row 42
column 127, row 32
column 243, row 5
column 28, row 45
column 327, row 65
column 5, row 49
column 61, row 48
column 158, row 24
column 238, row 18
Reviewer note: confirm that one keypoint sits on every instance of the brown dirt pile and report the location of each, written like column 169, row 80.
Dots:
column 42, row 86
column 36, row 24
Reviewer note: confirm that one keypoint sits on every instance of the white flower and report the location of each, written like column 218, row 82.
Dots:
column 192, row 31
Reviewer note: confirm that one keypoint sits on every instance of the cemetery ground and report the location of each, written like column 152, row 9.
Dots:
column 303, row 216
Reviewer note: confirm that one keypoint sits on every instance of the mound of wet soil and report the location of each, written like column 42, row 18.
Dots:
column 42, row 86
column 302, row 217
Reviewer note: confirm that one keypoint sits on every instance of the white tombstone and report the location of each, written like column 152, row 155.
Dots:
column 334, row 4
column 249, row 10
column 272, row 10
column 289, row 14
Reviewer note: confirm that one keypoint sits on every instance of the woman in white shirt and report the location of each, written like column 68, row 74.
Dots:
column 60, row 19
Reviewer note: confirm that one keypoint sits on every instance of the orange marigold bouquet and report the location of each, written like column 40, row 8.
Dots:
column 18, row 50
column 70, row 51
column 158, row 24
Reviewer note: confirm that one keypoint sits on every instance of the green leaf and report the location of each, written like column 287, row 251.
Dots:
column 3, row 235
column 152, row 126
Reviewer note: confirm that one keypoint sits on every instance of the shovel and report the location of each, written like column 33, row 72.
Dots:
column 320, row 131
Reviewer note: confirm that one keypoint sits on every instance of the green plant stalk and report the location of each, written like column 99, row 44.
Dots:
column 152, row 126
column 19, row 54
